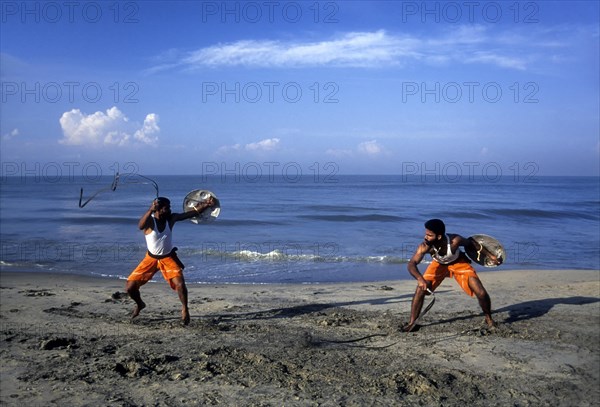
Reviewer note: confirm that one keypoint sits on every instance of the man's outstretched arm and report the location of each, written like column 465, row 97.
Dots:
column 198, row 209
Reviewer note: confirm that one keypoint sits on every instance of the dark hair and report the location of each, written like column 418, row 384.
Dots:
column 162, row 201
column 436, row 226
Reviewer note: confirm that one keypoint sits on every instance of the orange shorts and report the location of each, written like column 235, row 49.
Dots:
column 170, row 267
column 461, row 271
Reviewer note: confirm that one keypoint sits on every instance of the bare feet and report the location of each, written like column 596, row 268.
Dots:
column 490, row 322
column 136, row 311
column 410, row 328
column 185, row 316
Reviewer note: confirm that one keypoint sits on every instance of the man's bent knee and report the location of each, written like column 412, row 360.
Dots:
column 132, row 286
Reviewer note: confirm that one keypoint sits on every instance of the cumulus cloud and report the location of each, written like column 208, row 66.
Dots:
column 370, row 148
column 10, row 135
column 150, row 126
column 110, row 128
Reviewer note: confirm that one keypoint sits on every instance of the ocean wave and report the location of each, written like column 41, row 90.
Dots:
column 281, row 256
column 465, row 215
column 542, row 214
column 529, row 214
column 352, row 218
column 337, row 208
column 98, row 219
column 247, row 222
column 6, row 265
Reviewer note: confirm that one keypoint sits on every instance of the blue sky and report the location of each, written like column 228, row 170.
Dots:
column 352, row 87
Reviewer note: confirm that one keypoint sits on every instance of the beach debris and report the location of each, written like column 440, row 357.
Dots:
column 57, row 343
column 37, row 293
column 117, row 295
column 180, row 376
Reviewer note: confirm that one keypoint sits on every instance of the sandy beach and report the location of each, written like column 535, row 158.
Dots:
column 68, row 340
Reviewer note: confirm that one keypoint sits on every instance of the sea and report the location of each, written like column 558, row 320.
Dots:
column 296, row 229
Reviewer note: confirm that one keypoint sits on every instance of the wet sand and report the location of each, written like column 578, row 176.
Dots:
column 69, row 341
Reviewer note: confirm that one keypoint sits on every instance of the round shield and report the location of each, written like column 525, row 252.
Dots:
column 480, row 256
column 199, row 196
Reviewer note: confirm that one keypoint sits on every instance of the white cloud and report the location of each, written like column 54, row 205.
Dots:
column 503, row 61
column 460, row 45
column 110, row 128
column 269, row 144
column 263, row 145
column 227, row 149
column 352, row 49
column 370, row 148
column 10, row 135
column 149, row 127
column 339, row 153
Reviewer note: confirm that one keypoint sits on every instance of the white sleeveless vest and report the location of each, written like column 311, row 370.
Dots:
column 449, row 257
column 159, row 244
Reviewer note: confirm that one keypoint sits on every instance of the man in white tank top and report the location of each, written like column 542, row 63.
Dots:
column 447, row 261
column 157, row 224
